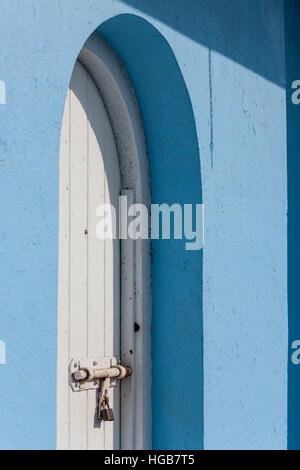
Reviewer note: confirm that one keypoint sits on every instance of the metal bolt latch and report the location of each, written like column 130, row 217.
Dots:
column 88, row 373
column 118, row 372
column 100, row 373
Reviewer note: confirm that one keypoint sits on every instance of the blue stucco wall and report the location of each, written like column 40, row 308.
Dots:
column 226, row 63
column 293, row 122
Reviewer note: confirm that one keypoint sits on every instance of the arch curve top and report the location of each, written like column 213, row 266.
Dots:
column 111, row 79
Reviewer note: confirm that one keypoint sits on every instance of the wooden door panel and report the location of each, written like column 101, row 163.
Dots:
column 89, row 268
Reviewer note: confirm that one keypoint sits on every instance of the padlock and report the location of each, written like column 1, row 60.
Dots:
column 107, row 414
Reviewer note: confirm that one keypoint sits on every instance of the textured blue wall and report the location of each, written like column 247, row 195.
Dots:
column 293, row 142
column 231, row 56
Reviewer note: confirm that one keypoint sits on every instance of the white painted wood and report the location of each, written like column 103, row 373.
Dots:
column 118, row 96
column 102, row 150
column 127, row 328
column 78, row 249
column 96, row 258
column 89, row 268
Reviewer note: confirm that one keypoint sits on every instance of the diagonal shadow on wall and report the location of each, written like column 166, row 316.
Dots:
column 233, row 28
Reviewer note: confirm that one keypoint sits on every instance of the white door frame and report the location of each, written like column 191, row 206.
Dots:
column 118, row 96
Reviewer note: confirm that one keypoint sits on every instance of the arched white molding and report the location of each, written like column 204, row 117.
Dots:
column 117, row 93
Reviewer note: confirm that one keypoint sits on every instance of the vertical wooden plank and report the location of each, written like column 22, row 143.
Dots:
column 112, row 278
column 78, row 249
column 96, row 255
column 142, row 380
column 103, row 262
column 63, row 285
column 127, row 330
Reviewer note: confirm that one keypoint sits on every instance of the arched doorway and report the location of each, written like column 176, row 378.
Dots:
column 104, row 285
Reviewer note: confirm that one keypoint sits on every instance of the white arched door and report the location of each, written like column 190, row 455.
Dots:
column 89, row 267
